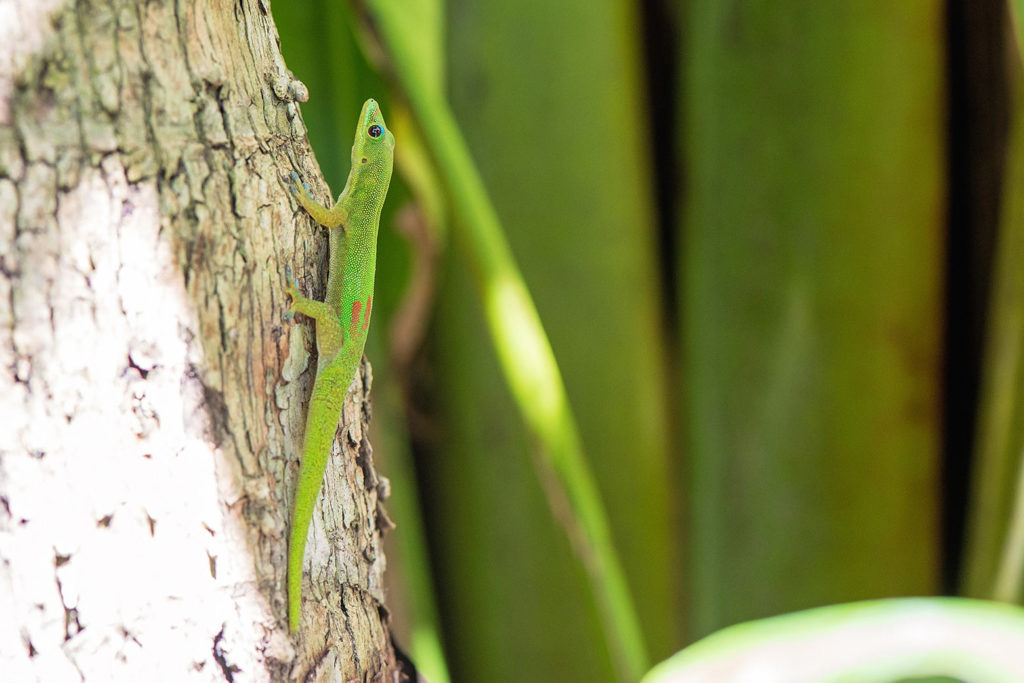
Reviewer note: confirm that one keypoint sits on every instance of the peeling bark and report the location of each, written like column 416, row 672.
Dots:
column 152, row 398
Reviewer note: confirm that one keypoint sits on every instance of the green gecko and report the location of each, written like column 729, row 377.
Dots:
column 342, row 318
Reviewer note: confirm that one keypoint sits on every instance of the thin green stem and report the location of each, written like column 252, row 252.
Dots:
column 523, row 348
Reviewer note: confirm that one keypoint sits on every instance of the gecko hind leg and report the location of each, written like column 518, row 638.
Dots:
column 329, row 218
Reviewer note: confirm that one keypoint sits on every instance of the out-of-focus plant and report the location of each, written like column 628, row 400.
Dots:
column 877, row 641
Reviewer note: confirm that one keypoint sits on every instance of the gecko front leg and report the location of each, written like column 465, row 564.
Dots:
column 329, row 218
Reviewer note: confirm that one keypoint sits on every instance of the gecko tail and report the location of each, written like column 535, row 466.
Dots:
column 322, row 419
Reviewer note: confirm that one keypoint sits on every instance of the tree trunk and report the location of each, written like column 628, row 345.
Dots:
column 153, row 399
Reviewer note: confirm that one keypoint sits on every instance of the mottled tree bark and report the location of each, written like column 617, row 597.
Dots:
column 152, row 399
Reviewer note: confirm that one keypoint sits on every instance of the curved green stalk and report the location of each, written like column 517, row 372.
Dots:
column 994, row 560
column 522, row 345
column 864, row 642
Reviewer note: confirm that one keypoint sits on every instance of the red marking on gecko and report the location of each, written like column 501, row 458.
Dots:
column 366, row 314
column 356, row 308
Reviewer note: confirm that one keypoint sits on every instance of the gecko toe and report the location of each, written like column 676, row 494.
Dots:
column 293, row 182
column 291, row 286
column 298, row 187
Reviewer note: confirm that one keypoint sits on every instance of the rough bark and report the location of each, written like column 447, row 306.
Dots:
column 152, row 398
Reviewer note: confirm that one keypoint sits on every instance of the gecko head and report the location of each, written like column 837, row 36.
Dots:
column 374, row 143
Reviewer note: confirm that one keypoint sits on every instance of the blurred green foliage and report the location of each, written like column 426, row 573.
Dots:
column 754, row 355
column 811, row 303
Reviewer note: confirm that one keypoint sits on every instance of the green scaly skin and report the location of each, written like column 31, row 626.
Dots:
column 342, row 318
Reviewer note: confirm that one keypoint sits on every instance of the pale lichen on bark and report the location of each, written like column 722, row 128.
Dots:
column 153, row 399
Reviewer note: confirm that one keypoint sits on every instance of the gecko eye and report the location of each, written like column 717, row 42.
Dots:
column 375, row 131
